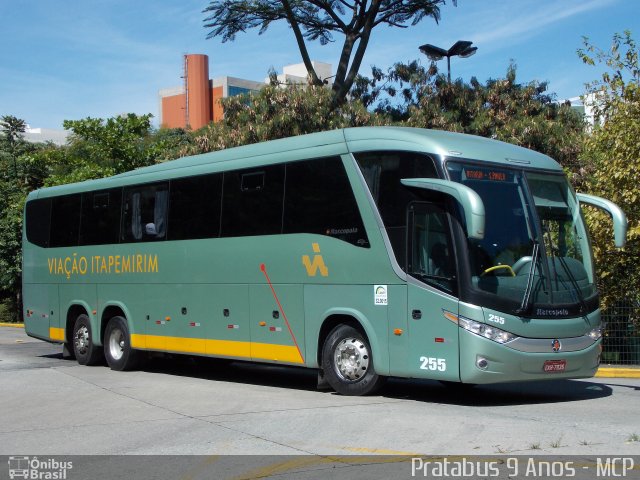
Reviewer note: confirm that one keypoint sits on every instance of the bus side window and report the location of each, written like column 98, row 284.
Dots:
column 144, row 217
column 382, row 172
column 194, row 207
column 252, row 202
column 430, row 255
column 65, row 221
column 319, row 199
column 100, row 221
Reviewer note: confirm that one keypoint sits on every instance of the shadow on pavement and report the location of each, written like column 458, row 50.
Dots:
column 296, row 378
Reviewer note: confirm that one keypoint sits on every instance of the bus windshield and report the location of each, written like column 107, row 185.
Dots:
column 534, row 258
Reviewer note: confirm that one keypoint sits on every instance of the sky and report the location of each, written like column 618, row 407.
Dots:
column 72, row 59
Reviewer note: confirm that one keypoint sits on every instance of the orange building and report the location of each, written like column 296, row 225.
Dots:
column 197, row 101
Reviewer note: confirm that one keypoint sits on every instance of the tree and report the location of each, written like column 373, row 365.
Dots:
column 613, row 151
column 522, row 114
column 320, row 20
column 12, row 129
column 11, row 251
column 12, row 197
column 119, row 143
column 278, row 112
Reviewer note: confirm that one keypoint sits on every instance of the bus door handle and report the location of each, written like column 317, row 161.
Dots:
column 416, row 314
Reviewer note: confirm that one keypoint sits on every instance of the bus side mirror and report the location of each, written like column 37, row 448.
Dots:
column 617, row 215
column 470, row 201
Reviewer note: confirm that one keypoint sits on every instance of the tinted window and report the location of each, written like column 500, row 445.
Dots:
column 38, row 219
column 252, row 201
column 319, row 200
column 383, row 172
column 65, row 221
column 194, row 210
column 144, row 213
column 100, row 222
column 430, row 255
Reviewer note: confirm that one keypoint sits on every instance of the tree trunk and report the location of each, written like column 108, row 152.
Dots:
column 313, row 76
column 340, row 93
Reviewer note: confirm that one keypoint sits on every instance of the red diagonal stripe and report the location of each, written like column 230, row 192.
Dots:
column 263, row 268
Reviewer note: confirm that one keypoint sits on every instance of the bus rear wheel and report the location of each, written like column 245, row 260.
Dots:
column 117, row 346
column 84, row 349
column 347, row 362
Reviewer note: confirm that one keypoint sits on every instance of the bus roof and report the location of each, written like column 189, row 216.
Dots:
column 334, row 142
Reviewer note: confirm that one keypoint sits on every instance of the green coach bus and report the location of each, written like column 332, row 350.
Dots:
column 363, row 253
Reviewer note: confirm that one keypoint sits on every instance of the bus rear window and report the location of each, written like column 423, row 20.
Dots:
column 38, row 220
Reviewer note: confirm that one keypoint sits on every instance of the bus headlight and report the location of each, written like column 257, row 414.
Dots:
column 486, row 331
column 595, row 334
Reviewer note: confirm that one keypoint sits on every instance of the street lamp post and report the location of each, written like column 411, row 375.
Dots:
column 461, row 48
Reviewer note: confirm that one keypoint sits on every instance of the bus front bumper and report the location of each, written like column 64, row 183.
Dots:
column 484, row 361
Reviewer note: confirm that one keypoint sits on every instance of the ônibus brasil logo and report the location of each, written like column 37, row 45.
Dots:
column 36, row 469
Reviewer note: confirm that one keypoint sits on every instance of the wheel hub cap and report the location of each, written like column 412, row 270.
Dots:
column 82, row 339
column 116, row 344
column 351, row 359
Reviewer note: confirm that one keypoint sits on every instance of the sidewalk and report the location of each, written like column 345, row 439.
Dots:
column 605, row 371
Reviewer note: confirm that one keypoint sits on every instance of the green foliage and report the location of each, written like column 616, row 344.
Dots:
column 614, row 152
column 11, row 248
column 119, row 143
column 10, row 239
column 12, row 129
column 522, row 114
column 278, row 112
column 170, row 143
column 7, row 312
column 619, row 82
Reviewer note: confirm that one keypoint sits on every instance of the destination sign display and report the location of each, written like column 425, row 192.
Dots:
column 487, row 174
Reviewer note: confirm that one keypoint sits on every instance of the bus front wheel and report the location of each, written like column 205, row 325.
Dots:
column 117, row 345
column 347, row 362
column 86, row 352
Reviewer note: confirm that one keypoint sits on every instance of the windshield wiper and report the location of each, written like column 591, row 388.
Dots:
column 435, row 280
column 526, row 299
column 572, row 278
column 555, row 251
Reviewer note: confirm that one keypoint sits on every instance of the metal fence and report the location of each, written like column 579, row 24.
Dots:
column 621, row 343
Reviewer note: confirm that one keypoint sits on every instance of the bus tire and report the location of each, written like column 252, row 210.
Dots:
column 84, row 349
column 117, row 346
column 347, row 362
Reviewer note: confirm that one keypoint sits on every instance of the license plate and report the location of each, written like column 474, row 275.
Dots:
column 554, row 366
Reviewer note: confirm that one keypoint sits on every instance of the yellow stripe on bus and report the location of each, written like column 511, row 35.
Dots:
column 56, row 333
column 228, row 348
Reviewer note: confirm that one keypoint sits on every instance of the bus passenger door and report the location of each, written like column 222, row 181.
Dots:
column 277, row 323
column 433, row 338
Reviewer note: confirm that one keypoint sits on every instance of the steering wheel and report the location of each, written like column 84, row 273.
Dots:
column 499, row 267
column 519, row 265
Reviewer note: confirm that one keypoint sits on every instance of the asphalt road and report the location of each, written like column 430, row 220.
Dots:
column 175, row 405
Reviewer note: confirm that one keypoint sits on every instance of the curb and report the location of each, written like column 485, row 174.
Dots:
column 618, row 372
column 14, row 325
